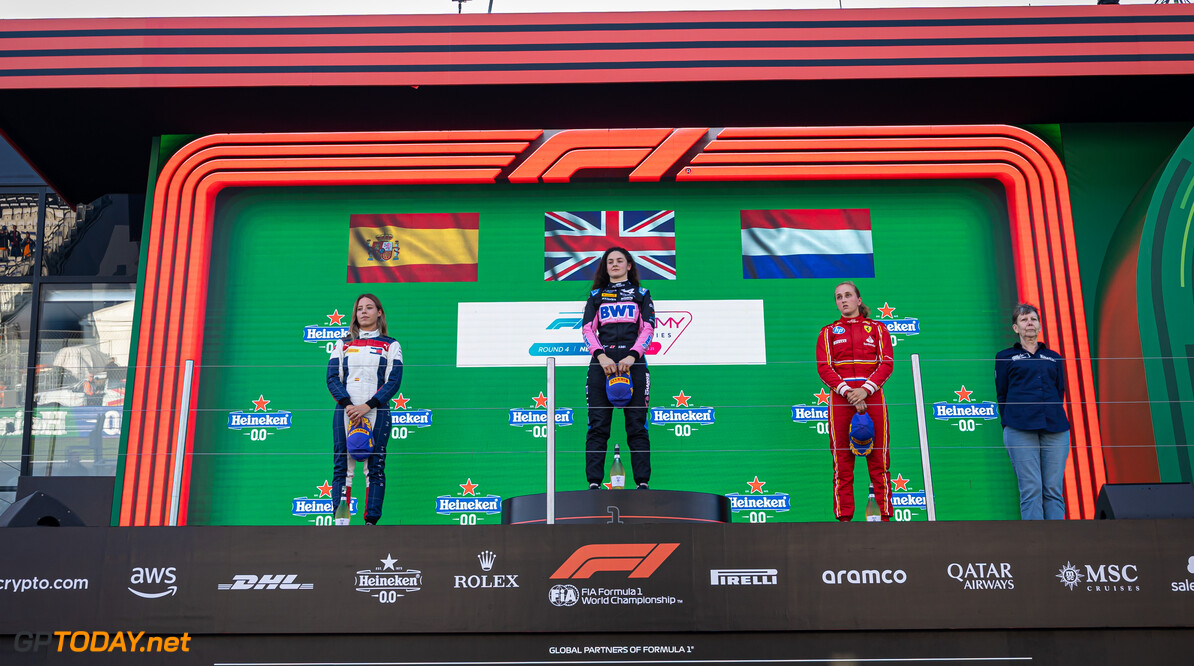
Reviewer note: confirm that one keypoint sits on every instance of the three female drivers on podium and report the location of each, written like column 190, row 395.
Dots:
column 854, row 359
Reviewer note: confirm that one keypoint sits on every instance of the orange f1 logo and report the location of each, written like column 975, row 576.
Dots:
column 640, row 559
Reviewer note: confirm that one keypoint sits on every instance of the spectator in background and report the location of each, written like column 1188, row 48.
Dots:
column 1030, row 386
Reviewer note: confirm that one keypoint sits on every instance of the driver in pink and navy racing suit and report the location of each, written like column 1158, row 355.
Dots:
column 618, row 322
column 365, row 370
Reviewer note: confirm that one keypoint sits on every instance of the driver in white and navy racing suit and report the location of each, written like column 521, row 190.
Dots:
column 365, row 370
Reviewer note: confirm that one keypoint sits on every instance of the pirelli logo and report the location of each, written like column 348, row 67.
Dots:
column 640, row 559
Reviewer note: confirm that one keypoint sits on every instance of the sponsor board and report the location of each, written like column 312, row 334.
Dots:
column 153, row 582
column 1103, row 578
column 468, row 508
column 743, row 577
column 637, row 561
column 534, row 419
column 244, row 582
column 486, row 579
column 319, row 509
column 682, row 417
column 1184, row 585
column 260, row 423
column 815, row 416
column 904, row 500
column 965, row 413
column 760, row 504
column 898, row 327
column 388, row 582
column 864, row 577
column 326, row 334
column 404, row 421
column 519, row 334
column 982, row 575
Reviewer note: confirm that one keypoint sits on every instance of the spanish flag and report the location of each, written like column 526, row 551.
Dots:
column 414, row 247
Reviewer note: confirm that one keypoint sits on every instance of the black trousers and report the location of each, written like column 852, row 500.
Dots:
column 601, row 415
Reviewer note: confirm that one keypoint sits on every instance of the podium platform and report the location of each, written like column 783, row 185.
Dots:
column 595, row 507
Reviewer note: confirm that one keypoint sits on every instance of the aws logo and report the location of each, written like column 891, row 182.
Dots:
column 640, row 559
column 155, row 577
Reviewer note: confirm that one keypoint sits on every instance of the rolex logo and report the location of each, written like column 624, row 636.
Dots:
column 486, row 557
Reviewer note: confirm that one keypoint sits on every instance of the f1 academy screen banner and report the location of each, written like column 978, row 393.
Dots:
column 737, row 407
column 630, row 578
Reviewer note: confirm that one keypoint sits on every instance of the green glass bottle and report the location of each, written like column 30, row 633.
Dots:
column 617, row 473
column 343, row 515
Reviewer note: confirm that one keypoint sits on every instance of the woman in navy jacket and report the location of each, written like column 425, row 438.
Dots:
column 1030, row 385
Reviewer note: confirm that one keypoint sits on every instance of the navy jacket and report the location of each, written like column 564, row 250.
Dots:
column 1031, row 389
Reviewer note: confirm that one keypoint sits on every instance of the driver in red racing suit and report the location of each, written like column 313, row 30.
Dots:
column 854, row 359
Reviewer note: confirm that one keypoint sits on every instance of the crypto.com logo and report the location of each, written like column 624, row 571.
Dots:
column 640, row 559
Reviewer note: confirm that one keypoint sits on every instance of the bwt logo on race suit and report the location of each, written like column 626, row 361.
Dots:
column 260, row 420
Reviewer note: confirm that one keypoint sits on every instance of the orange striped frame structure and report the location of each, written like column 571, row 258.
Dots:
column 179, row 237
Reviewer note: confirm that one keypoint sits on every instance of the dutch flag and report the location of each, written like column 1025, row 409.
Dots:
column 807, row 244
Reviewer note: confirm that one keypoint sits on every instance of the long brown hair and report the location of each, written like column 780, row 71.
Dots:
column 354, row 329
column 863, row 310
column 601, row 278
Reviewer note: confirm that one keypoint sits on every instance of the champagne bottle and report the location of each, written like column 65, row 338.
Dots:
column 343, row 515
column 617, row 473
column 872, row 508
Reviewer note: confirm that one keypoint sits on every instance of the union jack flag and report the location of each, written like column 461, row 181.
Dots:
column 573, row 242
